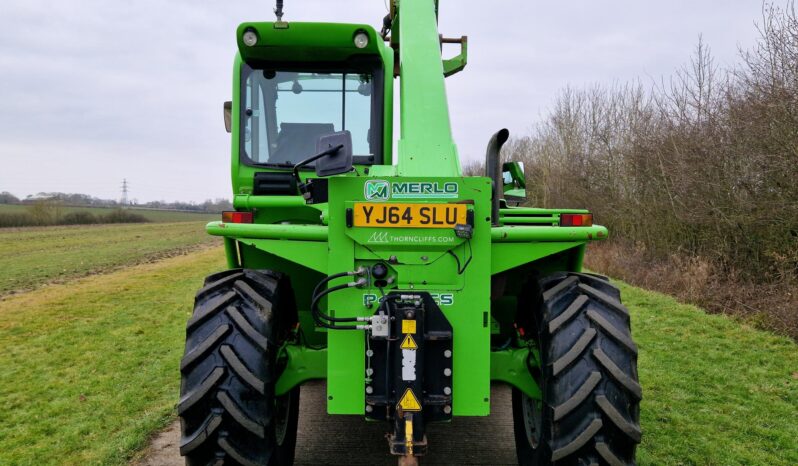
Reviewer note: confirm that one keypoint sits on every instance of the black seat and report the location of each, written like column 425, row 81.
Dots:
column 297, row 141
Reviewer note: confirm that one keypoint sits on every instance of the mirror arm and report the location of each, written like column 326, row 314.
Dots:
column 308, row 160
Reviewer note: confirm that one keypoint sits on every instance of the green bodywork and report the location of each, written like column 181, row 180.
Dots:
column 310, row 241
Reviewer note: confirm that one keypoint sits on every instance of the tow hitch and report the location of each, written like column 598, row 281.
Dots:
column 409, row 370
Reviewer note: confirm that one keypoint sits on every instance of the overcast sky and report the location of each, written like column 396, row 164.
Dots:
column 94, row 91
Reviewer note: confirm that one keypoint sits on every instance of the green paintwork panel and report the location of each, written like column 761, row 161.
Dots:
column 310, row 254
column 231, row 253
column 426, row 145
column 308, row 42
column 302, row 364
column 506, row 256
column 511, row 367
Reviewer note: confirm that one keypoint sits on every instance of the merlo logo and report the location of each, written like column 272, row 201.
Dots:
column 376, row 190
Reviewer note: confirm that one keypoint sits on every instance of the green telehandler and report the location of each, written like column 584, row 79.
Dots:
column 407, row 286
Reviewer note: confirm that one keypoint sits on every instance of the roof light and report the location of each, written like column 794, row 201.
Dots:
column 576, row 220
column 361, row 40
column 236, row 217
column 250, row 37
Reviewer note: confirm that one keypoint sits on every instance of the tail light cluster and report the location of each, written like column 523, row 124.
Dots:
column 236, row 217
column 576, row 220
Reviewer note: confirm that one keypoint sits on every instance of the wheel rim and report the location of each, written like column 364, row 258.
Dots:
column 533, row 419
column 282, row 416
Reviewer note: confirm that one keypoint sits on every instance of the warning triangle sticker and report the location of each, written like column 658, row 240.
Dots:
column 409, row 343
column 409, row 402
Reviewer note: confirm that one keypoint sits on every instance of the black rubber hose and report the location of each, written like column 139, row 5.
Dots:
column 314, row 305
column 316, row 312
column 327, row 280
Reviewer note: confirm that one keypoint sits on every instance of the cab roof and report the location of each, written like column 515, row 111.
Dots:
column 307, row 42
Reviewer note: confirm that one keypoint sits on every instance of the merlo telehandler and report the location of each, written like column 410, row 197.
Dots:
column 405, row 285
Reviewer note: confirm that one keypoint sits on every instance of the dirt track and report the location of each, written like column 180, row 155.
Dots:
column 349, row 440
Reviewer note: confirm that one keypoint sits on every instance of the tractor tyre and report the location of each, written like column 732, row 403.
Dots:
column 590, row 413
column 229, row 414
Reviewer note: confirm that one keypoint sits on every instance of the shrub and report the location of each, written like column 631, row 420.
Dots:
column 17, row 220
column 122, row 216
column 702, row 165
column 44, row 212
column 80, row 217
column 39, row 215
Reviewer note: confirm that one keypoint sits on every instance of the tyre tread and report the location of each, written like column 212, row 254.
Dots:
column 579, row 397
column 611, row 330
column 207, row 310
column 591, row 394
column 242, row 371
column 218, row 284
column 237, row 414
column 235, row 454
column 568, row 314
column 192, row 397
column 607, row 455
column 577, row 349
column 617, row 418
column 579, row 441
column 204, row 347
column 201, row 435
column 605, row 298
column 248, row 293
column 247, row 329
column 616, row 373
column 227, row 400
column 559, row 288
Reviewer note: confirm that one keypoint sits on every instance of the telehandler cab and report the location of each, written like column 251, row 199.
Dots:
column 407, row 286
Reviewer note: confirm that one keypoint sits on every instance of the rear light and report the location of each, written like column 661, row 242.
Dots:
column 576, row 220
column 236, row 217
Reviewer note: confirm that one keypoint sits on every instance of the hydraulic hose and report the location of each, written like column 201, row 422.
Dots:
column 323, row 319
column 328, row 321
column 326, row 280
column 318, row 312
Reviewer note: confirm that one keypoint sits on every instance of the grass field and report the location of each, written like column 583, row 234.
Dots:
column 89, row 370
column 30, row 257
column 715, row 392
column 169, row 216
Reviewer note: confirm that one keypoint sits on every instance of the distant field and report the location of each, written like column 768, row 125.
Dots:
column 30, row 257
column 152, row 215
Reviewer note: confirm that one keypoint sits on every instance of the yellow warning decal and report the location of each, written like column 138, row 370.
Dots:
column 408, row 326
column 409, row 402
column 409, row 343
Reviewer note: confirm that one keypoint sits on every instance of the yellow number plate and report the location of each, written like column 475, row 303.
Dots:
column 381, row 215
